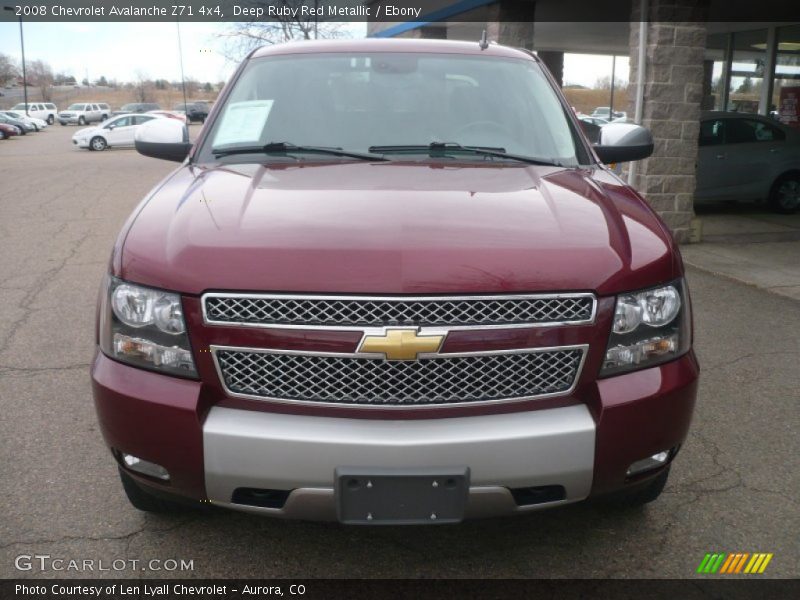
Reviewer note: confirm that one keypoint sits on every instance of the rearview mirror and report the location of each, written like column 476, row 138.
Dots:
column 167, row 139
column 623, row 142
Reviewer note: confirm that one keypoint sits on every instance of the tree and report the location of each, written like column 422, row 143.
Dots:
column 102, row 81
column 604, row 83
column 746, row 87
column 143, row 87
column 208, row 87
column 191, row 86
column 40, row 74
column 244, row 37
column 85, row 82
column 8, row 69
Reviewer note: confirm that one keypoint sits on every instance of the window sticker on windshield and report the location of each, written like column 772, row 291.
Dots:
column 243, row 122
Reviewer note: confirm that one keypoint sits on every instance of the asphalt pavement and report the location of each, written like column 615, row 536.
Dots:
column 733, row 487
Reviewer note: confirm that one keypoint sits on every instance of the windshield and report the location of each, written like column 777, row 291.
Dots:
column 360, row 101
column 75, row 107
column 20, row 106
column 129, row 107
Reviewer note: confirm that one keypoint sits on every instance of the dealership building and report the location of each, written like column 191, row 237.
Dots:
column 692, row 60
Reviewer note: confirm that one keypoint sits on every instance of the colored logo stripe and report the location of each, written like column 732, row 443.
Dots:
column 711, row 563
column 730, row 564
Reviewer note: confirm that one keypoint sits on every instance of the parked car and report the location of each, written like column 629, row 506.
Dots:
column 7, row 131
column 196, row 112
column 105, row 110
column 37, row 124
column 594, row 120
column 747, row 157
column 323, row 314
column 136, row 107
column 31, row 124
column 604, row 112
column 82, row 113
column 18, row 123
column 47, row 111
column 169, row 114
column 116, row 132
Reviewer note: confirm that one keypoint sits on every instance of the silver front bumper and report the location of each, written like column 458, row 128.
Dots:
column 300, row 453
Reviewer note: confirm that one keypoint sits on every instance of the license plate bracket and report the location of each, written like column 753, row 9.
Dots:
column 373, row 496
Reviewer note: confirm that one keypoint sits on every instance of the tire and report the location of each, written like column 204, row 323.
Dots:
column 81, row 121
column 143, row 500
column 642, row 495
column 103, row 118
column 98, row 143
column 2, row 134
column 51, row 119
column 63, row 123
column 784, row 197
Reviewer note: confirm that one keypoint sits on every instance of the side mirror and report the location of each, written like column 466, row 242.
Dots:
column 623, row 142
column 110, row 127
column 167, row 139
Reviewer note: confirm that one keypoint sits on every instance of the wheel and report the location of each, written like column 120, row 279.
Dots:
column 98, row 143
column 63, row 123
column 51, row 119
column 103, row 118
column 642, row 495
column 785, row 194
column 2, row 134
column 81, row 121
column 144, row 500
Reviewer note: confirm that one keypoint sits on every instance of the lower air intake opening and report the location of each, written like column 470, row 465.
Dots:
column 538, row 495
column 260, row 497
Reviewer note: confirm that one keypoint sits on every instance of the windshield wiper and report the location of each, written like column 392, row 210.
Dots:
column 436, row 149
column 287, row 149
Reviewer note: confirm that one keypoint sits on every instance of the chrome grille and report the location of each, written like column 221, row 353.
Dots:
column 431, row 381
column 275, row 310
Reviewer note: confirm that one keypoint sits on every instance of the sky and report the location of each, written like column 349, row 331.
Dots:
column 121, row 50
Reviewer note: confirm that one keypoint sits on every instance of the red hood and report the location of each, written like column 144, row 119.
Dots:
column 395, row 228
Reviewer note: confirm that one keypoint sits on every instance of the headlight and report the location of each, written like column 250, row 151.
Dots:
column 656, row 308
column 650, row 327
column 144, row 327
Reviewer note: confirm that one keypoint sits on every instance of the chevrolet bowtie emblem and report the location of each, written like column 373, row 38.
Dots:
column 401, row 344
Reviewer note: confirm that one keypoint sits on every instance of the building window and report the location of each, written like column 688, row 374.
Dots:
column 785, row 105
column 747, row 70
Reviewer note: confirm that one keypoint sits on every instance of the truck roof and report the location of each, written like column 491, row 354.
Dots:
column 389, row 45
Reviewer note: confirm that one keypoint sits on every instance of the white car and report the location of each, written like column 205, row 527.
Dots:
column 47, row 111
column 116, row 132
column 38, row 124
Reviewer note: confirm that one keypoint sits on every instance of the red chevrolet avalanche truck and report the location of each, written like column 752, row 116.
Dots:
column 392, row 282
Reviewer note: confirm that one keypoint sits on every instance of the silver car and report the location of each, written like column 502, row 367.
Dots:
column 746, row 157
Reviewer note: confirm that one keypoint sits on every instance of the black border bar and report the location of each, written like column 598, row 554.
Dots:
column 734, row 588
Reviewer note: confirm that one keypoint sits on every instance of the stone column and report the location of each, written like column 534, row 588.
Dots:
column 510, row 22
column 673, row 91
column 555, row 62
column 427, row 32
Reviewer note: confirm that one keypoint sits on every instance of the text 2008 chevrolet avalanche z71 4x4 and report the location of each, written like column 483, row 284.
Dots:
column 391, row 282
